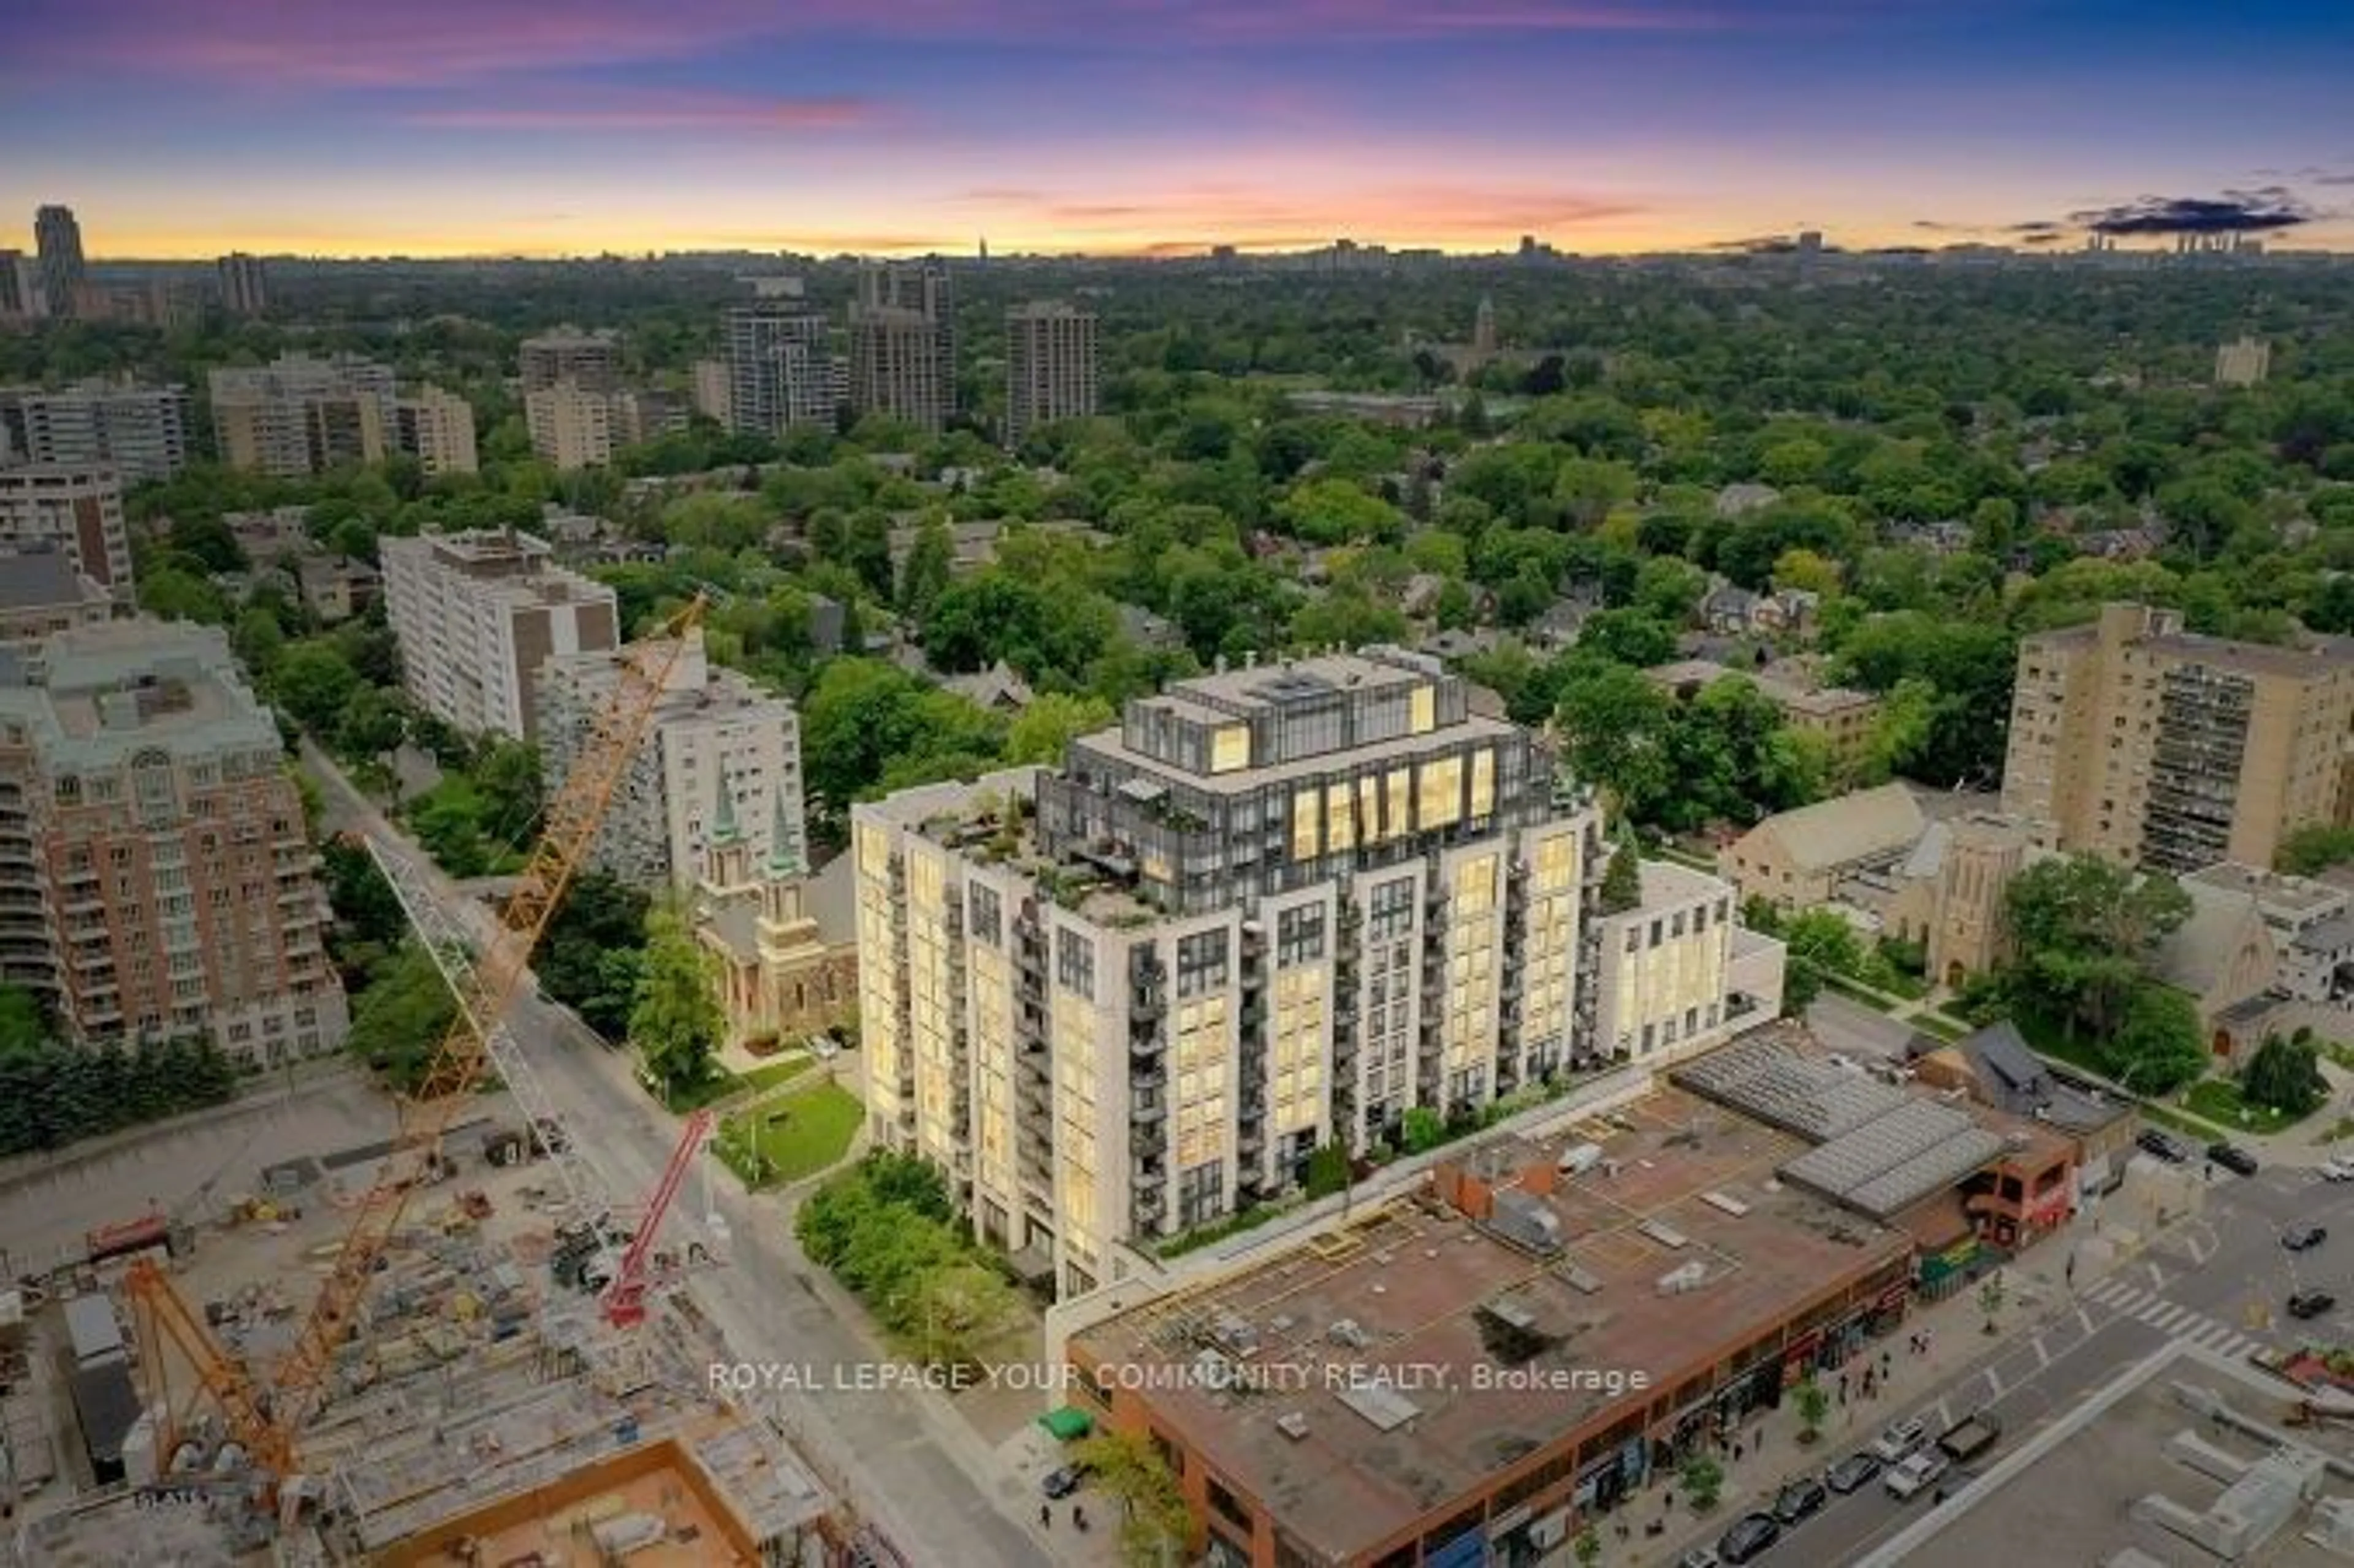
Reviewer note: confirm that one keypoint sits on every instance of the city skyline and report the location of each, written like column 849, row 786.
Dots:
column 441, row 129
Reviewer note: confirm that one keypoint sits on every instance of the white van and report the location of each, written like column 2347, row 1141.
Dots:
column 1578, row 1159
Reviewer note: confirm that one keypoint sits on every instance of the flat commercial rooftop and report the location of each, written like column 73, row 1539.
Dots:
column 2076, row 1504
column 1385, row 1369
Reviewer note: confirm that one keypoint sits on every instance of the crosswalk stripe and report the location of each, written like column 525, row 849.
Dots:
column 2111, row 1293
column 2160, row 1314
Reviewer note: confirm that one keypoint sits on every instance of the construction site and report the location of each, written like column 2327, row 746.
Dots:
column 450, row 1346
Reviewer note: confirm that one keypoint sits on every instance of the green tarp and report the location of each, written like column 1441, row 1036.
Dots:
column 1067, row 1423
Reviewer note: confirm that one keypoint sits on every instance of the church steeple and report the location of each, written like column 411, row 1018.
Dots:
column 784, row 859
column 725, row 860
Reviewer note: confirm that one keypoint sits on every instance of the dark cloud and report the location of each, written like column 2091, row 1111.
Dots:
column 2043, row 226
column 2234, row 212
column 1759, row 244
column 2334, row 179
column 2042, row 237
column 1933, row 226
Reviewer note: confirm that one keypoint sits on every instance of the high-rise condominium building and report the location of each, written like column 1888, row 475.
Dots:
column 571, row 426
column 903, row 343
column 75, row 510
column 63, row 273
column 476, row 614
column 1050, row 367
column 1277, row 908
column 591, row 360
column 20, row 288
column 301, row 416
column 2244, row 362
column 141, row 432
column 245, row 287
column 2152, row 745
column 711, row 390
column 158, row 878
column 437, row 428
column 779, row 367
column 714, row 733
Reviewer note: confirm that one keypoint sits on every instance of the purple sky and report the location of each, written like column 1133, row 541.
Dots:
column 188, row 127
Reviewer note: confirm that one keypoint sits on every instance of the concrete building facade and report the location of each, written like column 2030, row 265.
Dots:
column 476, row 614
column 589, row 360
column 300, row 416
column 141, row 432
column 1050, row 367
column 718, row 746
column 784, row 942
column 244, row 284
column 21, row 299
column 2243, row 361
column 1666, row 989
column 2133, row 739
column 72, row 509
column 1278, row 907
column 571, row 425
column 158, row 874
column 779, row 367
column 437, row 428
column 57, row 238
column 903, row 343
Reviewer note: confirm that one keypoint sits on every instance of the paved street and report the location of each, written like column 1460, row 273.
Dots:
column 906, row 1463
column 2217, row 1279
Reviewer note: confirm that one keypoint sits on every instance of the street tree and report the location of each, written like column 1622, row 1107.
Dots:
column 1813, row 1407
column 1155, row 1525
column 677, row 1023
column 2284, row 1075
column 1702, row 1478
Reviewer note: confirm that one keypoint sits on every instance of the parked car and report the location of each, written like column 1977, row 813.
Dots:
column 1700, row 1557
column 2162, row 1145
column 1917, row 1473
column 1799, row 1499
column 2304, row 1238
column 2311, row 1303
column 1899, row 1440
column 2337, row 1168
column 1062, row 1482
column 2232, row 1158
column 1851, row 1473
column 1751, row 1534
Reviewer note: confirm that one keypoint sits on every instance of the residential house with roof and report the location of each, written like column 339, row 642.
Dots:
column 2001, row 1071
column 1842, row 719
column 999, row 689
column 2312, row 923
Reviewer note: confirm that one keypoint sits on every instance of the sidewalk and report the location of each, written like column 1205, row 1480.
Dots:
column 2037, row 1287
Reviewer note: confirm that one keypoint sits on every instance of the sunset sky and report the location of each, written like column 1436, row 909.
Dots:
column 441, row 127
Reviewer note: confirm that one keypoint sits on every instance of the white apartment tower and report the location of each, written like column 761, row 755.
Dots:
column 571, row 425
column 1276, row 909
column 476, row 614
column 1050, row 367
column 779, row 367
column 713, row 734
column 141, row 433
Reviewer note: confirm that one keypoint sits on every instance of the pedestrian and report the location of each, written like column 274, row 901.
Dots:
column 1737, row 1451
column 1078, row 1516
column 1842, row 1385
column 1045, row 1516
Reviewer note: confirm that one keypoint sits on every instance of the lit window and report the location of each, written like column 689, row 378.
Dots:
column 1424, row 715
column 1230, row 748
column 1305, row 839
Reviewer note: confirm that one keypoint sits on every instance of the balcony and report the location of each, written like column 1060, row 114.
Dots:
column 1148, row 1112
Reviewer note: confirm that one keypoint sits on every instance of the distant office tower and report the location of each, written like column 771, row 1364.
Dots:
column 245, row 290
column 713, row 732
column 711, row 390
column 1274, row 911
column 589, row 360
column 571, row 425
column 63, row 271
column 779, row 367
column 903, row 343
column 2136, row 740
column 646, row 415
column 2244, row 363
column 476, row 614
column 158, row 878
column 1811, row 242
column 1050, row 367
column 141, row 432
column 1483, row 328
column 73, row 509
column 20, row 288
column 301, row 416
column 437, row 428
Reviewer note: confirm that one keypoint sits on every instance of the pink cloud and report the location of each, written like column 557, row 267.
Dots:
column 656, row 112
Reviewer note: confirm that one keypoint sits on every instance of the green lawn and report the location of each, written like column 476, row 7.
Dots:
column 1938, row 1024
column 725, row 1085
column 788, row 1066
column 788, row 1138
column 2218, row 1099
